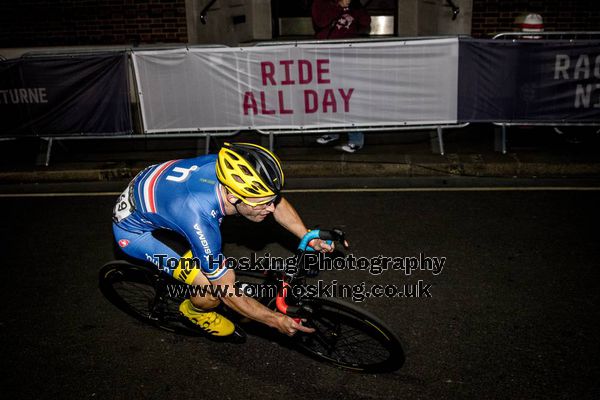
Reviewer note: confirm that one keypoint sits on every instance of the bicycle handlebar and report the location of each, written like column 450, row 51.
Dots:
column 329, row 235
column 336, row 235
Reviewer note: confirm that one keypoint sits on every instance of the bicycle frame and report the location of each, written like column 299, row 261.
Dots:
column 287, row 279
column 283, row 279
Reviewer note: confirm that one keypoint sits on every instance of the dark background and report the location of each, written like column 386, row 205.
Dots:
column 27, row 23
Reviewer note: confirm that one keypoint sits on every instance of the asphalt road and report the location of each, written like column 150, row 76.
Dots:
column 513, row 315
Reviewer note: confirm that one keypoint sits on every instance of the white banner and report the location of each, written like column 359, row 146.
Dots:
column 299, row 87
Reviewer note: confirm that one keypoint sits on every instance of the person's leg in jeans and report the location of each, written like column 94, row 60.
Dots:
column 356, row 141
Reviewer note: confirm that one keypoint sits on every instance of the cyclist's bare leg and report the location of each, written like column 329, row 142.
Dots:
column 208, row 301
column 188, row 271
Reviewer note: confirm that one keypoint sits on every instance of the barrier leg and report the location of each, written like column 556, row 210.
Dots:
column 207, row 144
column 500, row 139
column 437, row 141
column 271, row 141
column 45, row 158
column 503, row 139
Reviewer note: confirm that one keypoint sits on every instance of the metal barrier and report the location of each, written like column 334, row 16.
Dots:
column 573, row 35
column 436, row 147
column 351, row 41
column 501, row 136
column 140, row 133
column 206, row 135
column 46, row 152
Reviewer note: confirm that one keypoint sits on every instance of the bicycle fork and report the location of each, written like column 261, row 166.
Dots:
column 158, row 303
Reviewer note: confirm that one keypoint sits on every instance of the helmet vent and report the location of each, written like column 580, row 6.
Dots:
column 245, row 170
column 237, row 178
column 259, row 186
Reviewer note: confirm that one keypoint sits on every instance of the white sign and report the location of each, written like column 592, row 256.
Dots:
column 299, row 86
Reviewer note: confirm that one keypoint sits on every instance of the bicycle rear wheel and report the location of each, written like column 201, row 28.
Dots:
column 350, row 338
column 141, row 292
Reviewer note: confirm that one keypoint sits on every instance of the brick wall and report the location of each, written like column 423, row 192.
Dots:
column 28, row 23
column 492, row 16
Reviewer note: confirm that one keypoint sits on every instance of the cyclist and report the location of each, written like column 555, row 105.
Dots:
column 190, row 197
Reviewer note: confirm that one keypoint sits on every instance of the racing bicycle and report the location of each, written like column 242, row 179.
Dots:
column 345, row 335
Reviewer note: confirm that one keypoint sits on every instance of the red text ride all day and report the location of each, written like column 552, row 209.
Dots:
column 296, row 73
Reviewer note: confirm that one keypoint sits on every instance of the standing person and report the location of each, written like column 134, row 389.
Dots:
column 341, row 19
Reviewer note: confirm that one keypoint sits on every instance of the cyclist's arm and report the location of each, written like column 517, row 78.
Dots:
column 287, row 216
column 206, row 240
column 251, row 308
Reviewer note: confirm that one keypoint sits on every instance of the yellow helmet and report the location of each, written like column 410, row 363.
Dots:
column 249, row 170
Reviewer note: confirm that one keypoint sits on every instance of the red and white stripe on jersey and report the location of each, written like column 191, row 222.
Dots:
column 220, row 198
column 150, row 185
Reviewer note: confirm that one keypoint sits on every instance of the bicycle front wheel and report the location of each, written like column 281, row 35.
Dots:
column 350, row 338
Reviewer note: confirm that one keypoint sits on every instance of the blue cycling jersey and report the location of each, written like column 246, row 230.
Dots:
column 180, row 195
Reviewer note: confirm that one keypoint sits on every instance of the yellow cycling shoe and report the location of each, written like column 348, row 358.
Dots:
column 209, row 321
